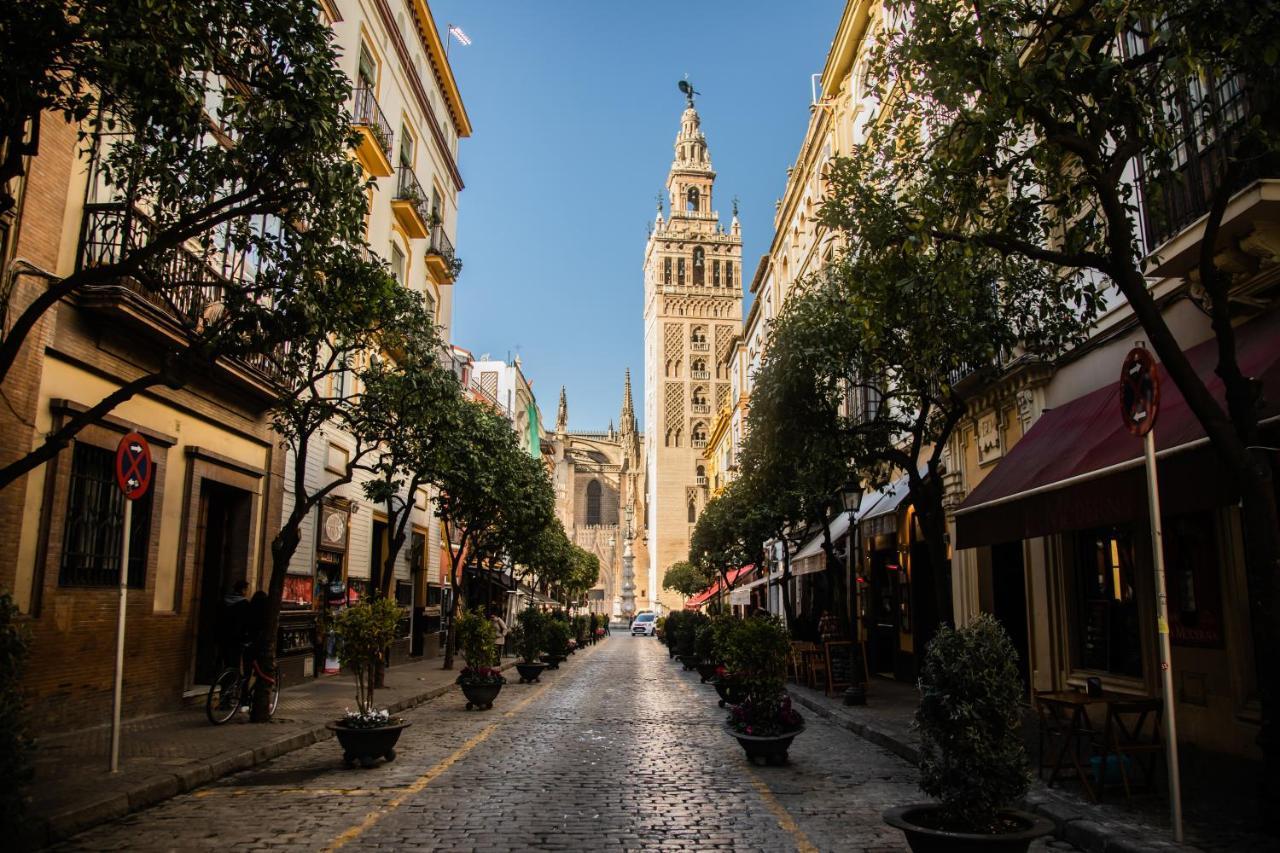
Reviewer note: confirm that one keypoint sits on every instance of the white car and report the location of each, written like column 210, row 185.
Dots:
column 645, row 625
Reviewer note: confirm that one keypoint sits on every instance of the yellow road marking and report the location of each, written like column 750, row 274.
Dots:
column 779, row 811
column 426, row 778
column 259, row 789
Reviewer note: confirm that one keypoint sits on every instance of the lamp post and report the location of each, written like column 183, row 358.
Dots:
column 849, row 498
column 628, row 570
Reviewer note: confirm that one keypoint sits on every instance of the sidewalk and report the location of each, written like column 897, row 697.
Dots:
column 166, row 754
column 1215, row 799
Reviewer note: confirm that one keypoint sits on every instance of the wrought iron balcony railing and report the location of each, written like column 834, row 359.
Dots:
column 408, row 189
column 369, row 114
column 180, row 283
column 440, row 246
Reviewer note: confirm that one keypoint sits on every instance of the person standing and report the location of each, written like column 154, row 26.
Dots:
column 232, row 618
column 499, row 632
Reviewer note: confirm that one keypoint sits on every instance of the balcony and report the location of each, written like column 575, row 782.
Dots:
column 1173, row 200
column 442, row 264
column 700, row 374
column 184, row 288
column 373, row 149
column 699, row 442
column 701, row 409
column 700, row 346
column 701, row 481
column 409, row 204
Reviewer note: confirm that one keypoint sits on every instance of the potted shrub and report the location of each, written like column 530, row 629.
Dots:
column 594, row 629
column 556, row 642
column 671, row 631
column 480, row 680
column 704, row 649
column 529, row 640
column 689, row 624
column 365, row 632
column 972, row 757
column 763, row 720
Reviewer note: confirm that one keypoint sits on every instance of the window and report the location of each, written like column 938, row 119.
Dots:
column 1106, row 625
column 666, row 271
column 691, row 199
column 406, row 147
column 437, row 207
column 94, row 523
column 367, row 73
column 680, row 271
column 699, row 435
column 699, row 263
column 699, row 396
column 593, row 502
column 397, row 263
column 728, row 273
column 693, row 512
column 715, row 273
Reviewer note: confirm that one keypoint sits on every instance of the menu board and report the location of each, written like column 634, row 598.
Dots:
column 845, row 665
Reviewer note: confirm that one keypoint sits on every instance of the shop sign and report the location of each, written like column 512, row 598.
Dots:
column 333, row 528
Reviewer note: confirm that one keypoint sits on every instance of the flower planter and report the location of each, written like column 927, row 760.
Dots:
column 530, row 672
column 926, row 839
column 480, row 695
column 771, row 750
column 367, row 745
column 728, row 692
column 689, row 661
column 552, row 661
column 707, row 671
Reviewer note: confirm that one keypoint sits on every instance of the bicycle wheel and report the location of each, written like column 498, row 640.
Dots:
column 224, row 697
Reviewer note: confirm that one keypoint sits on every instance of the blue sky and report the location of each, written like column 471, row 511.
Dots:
column 575, row 109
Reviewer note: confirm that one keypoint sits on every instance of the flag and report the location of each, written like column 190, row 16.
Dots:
column 456, row 32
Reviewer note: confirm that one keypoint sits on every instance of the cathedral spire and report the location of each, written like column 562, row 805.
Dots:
column 628, row 420
column 562, row 414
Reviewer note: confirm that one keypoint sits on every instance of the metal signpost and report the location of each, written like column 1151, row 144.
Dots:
column 1139, row 405
column 133, row 471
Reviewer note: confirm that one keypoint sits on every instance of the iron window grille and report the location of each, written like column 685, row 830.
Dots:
column 95, row 522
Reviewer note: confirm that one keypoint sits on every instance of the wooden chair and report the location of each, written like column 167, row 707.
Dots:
column 817, row 667
column 1133, row 735
column 1064, row 731
column 796, row 667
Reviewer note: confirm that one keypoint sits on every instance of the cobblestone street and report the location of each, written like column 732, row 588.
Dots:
column 618, row 750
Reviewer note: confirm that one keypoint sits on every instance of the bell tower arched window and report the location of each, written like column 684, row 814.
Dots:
column 699, row 265
column 692, row 199
column 666, row 270
column 680, row 271
column 693, row 512
column 715, row 273
column 593, row 502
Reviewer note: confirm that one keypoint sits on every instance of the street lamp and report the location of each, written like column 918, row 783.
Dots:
column 849, row 497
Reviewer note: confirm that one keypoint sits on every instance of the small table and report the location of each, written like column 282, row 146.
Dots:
column 1064, row 716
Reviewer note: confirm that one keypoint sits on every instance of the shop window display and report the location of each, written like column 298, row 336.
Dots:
column 1106, row 631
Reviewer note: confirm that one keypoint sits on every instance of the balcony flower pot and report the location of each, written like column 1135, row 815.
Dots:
column 921, row 823
column 365, row 744
column 530, row 672
column 768, row 749
column 552, row 661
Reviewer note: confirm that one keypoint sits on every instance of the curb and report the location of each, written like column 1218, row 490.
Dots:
column 1071, row 823
column 61, row 825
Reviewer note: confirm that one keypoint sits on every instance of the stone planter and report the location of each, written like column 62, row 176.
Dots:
column 728, row 692
column 367, row 745
column 707, row 671
column 925, row 839
column 552, row 661
column 765, row 750
column 480, row 695
column 530, row 672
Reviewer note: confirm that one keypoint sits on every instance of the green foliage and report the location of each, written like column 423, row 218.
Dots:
column 15, row 745
column 531, row 633
column 671, row 627
column 580, row 629
column 557, row 637
column 365, row 631
column 755, row 650
column 687, row 579
column 971, row 753
column 477, row 639
column 704, row 642
column 690, row 623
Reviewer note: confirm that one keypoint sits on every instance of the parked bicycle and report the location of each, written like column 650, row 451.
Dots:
column 233, row 689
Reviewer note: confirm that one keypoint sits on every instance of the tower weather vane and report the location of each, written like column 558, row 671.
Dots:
column 687, row 88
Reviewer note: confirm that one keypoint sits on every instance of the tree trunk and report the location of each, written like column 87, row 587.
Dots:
column 788, row 606
column 283, row 548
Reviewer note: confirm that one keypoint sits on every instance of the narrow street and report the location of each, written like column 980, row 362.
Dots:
column 618, row 750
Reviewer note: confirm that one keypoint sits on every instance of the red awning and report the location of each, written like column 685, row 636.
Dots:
column 1078, row 467
column 715, row 588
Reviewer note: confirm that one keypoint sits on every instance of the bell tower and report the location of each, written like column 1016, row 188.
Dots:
column 692, row 310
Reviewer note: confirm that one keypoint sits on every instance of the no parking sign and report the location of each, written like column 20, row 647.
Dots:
column 133, row 466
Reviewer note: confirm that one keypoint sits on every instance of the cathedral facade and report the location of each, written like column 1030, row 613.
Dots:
column 600, row 483
column 692, row 312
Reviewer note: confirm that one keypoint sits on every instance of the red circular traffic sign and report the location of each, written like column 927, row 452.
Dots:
column 1139, row 391
column 133, row 466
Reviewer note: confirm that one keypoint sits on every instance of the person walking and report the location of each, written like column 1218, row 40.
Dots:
column 606, row 624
